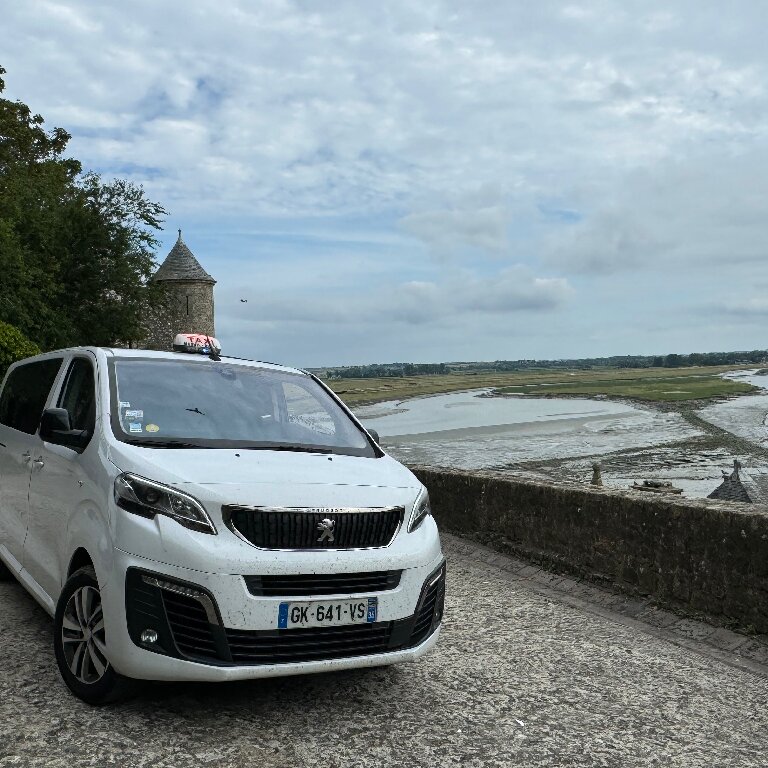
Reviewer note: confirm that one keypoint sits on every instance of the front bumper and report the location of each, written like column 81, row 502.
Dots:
column 209, row 627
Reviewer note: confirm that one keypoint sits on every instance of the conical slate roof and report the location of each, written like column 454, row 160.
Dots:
column 742, row 485
column 181, row 264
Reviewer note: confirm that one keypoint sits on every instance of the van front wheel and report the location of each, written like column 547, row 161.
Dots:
column 79, row 641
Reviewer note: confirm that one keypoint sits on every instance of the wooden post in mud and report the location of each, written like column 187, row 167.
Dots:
column 597, row 478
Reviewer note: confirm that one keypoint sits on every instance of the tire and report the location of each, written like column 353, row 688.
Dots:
column 79, row 643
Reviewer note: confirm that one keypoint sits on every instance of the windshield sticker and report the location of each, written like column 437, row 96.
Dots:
column 125, row 405
column 152, row 428
column 134, row 414
column 134, row 427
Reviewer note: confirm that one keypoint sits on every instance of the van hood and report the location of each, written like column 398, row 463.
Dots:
column 218, row 478
column 238, row 467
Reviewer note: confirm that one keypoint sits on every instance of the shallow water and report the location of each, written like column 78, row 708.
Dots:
column 470, row 410
column 467, row 430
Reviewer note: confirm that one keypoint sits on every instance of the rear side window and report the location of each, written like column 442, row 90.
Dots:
column 25, row 392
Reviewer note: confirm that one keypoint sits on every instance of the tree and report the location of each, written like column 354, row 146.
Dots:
column 13, row 346
column 75, row 251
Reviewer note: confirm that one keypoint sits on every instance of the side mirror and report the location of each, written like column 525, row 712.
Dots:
column 55, row 428
column 375, row 435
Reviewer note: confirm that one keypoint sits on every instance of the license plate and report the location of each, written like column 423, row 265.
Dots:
column 328, row 613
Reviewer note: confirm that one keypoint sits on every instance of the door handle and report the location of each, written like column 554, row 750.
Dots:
column 38, row 462
column 26, row 456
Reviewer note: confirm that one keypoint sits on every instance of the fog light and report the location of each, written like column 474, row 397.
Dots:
column 149, row 636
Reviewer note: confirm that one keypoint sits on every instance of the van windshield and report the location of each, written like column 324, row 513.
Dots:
column 198, row 403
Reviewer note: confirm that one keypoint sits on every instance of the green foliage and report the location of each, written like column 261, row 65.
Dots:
column 678, row 384
column 697, row 386
column 14, row 346
column 75, row 251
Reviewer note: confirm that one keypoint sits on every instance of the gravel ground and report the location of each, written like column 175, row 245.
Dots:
column 532, row 670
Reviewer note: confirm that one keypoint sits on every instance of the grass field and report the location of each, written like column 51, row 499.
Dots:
column 650, row 384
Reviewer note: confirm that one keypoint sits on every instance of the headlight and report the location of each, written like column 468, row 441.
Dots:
column 147, row 498
column 421, row 509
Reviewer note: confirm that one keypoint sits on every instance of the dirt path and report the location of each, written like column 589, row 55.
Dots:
column 722, row 437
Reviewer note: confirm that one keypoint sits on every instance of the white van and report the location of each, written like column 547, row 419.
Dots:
column 196, row 517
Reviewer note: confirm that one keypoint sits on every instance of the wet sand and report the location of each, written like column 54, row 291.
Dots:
column 560, row 438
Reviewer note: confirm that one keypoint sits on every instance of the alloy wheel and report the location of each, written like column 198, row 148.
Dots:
column 82, row 636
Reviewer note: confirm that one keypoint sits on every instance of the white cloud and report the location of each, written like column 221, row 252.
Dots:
column 660, row 21
column 351, row 108
column 703, row 213
column 587, row 140
column 754, row 307
column 448, row 229
column 512, row 290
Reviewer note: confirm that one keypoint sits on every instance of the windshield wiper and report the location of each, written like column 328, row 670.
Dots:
column 287, row 447
column 165, row 444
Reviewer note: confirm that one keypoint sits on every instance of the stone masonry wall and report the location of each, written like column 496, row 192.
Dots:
column 695, row 555
column 191, row 310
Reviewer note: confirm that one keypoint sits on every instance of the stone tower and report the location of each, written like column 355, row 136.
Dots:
column 190, row 293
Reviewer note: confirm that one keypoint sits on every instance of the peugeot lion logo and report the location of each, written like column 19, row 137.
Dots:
column 326, row 526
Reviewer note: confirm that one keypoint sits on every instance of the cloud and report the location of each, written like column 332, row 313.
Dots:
column 352, row 109
column 513, row 290
column 752, row 308
column 413, row 321
column 429, row 178
column 447, row 230
column 697, row 213
column 612, row 240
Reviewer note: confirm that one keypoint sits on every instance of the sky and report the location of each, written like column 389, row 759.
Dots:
column 432, row 181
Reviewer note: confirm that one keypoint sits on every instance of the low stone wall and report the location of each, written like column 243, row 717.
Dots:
column 697, row 556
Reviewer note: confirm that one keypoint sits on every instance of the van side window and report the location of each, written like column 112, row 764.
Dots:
column 79, row 395
column 25, row 392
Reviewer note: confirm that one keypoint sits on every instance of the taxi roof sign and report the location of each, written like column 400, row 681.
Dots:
column 196, row 344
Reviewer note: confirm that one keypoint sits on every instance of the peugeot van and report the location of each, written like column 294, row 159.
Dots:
column 200, row 517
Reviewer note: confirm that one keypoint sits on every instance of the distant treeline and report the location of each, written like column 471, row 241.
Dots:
column 383, row 370
column 393, row 369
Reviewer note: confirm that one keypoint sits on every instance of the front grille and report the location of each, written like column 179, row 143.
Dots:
column 282, row 646
column 189, row 625
column 323, row 584
column 298, row 528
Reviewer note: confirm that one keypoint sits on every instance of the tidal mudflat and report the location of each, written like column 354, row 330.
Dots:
column 745, row 416
column 560, row 438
